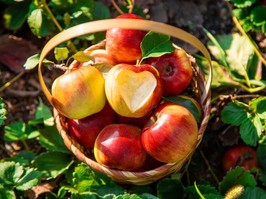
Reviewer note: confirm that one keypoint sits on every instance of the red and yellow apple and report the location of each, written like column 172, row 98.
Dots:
column 171, row 134
column 133, row 91
column 85, row 130
column 79, row 93
column 118, row 146
column 175, row 71
column 124, row 44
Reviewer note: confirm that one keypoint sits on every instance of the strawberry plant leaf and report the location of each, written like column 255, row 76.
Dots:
column 15, row 131
column 61, row 53
column 261, row 153
column 23, row 158
column 10, row 172
column 3, row 112
column 251, row 130
column 30, row 178
column 6, row 193
column 205, row 190
column 259, row 106
column 234, row 113
column 43, row 112
column 243, row 3
column 52, row 164
column 255, row 192
column 237, row 176
column 258, row 16
column 170, row 188
column 155, row 45
column 80, row 56
column 51, row 140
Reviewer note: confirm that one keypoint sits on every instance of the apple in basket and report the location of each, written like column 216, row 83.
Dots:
column 79, row 92
column 171, row 134
column 85, row 130
column 118, row 146
column 133, row 91
column 175, row 70
column 124, row 44
column 101, row 56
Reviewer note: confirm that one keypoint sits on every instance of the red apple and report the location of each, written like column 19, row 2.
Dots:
column 171, row 134
column 119, row 146
column 243, row 155
column 133, row 91
column 79, row 92
column 85, row 130
column 124, row 44
column 175, row 70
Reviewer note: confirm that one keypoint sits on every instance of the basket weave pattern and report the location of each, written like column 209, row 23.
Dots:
column 145, row 177
column 200, row 86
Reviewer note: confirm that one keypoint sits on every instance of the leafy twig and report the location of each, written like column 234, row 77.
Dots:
column 117, row 7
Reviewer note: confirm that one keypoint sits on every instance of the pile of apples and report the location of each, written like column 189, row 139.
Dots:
column 121, row 114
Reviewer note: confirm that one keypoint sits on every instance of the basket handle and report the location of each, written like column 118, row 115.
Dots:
column 103, row 25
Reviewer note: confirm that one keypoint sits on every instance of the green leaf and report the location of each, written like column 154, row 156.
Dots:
column 251, row 130
column 23, row 158
column 3, row 112
column 10, row 172
column 188, row 103
column 61, row 53
column 169, row 188
column 44, row 112
column 258, row 16
column 156, row 45
column 234, row 113
column 51, row 140
column 239, row 55
column 251, row 193
column 6, row 193
column 243, row 3
column 80, row 56
column 191, row 191
column 237, row 176
column 32, row 62
column 101, row 11
column 29, row 179
column 35, row 21
column 240, row 13
column 15, row 15
column 52, row 164
column 259, row 106
column 261, row 153
column 15, row 131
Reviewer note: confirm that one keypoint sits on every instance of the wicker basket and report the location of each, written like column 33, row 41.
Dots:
column 200, row 85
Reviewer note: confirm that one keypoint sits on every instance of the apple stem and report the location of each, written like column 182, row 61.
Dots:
column 130, row 6
column 209, row 167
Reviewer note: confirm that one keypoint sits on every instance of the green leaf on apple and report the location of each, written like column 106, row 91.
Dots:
column 61, row 53
column 156, row 45
column 188, row 103
column 80, row 56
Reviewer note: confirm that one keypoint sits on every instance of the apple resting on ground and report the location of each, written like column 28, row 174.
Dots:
column 124, row 44
column 243, row 155
column 85, row 130
column 79, row 92
column 171, row 134
column 119, row 146
column 133, row 91
column 175, row 70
